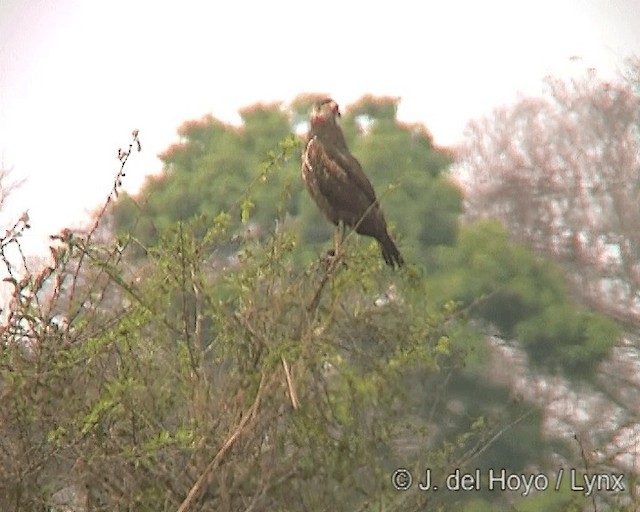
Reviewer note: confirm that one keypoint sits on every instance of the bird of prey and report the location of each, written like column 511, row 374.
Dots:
column 339, row 186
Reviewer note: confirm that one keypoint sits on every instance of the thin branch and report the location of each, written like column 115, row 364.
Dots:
column 123, row 156
column 493, row 439
column 290, row 385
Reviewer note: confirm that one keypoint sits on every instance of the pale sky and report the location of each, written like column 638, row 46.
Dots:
column 77, row 76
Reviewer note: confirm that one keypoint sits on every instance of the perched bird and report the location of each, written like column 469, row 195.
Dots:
column 339, row 186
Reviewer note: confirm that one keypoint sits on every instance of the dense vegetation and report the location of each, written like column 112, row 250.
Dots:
column 196, row 351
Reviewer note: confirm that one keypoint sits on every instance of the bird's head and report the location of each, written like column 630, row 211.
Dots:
column 325, row 111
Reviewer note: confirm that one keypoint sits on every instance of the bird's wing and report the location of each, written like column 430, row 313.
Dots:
column 351, row 165
column 342, row 173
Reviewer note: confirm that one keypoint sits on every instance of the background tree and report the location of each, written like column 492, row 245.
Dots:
column 524, row 298
column 563, row 174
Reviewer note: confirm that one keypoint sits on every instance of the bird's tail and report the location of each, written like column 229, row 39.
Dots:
column 390, row 252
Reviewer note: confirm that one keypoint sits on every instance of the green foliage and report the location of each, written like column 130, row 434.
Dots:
column 576, row 339
column 213, row 169
column 524, row 297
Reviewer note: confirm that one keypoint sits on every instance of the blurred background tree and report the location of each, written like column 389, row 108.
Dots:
column 562, row 173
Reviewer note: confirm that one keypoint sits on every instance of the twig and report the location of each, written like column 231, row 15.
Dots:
column 292, row 391
column 123, row 156
column 333, row 264
column 493, row 439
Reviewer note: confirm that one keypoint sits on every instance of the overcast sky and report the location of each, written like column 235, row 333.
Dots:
column 76, row 76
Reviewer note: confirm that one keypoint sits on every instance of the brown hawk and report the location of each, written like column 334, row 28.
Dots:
column 338, row 184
